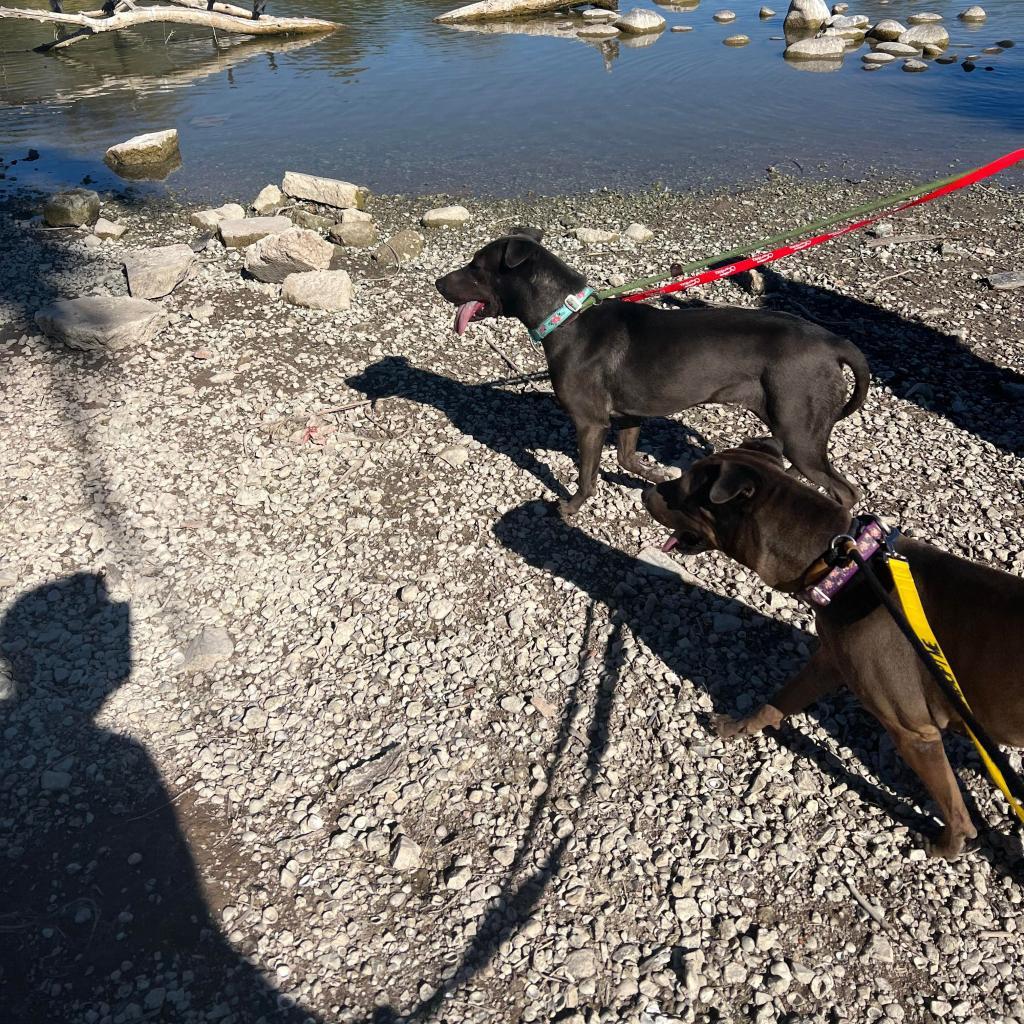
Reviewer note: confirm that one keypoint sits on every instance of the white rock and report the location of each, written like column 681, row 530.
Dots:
column 766, row 12
column 445, row 217
column 973, row 13
column 238, row 234
column 153, row 273
column 724, row 16
column 923, row 18
column 737, row 40
column 405, row 854
column 455, row 456
column 269, row 198
column 806, row 14
column 342, row 195
column 318, row 289
column 595, row 236
column 887, row 30
column 822, row 48
column 638, row 233
column 898, row 49
column 878, row 57
column 207, row 220
column 914, row 65
column 926, row 37
column 100, row 323
column 208, row 649
column 848, row 21
column 294, row 251
column 640, row 21
column 144, row 150
column 104, row 228
column 354, row 216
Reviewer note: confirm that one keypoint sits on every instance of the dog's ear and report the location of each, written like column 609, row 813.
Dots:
column 734, row 481
column 519, row 250
column 524, row 229
column 764, row 446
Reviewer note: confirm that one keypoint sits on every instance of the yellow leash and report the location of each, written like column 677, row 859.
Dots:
column 910, row 600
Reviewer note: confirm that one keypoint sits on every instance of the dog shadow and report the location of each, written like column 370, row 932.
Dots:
column 100, row 898
column 517, row 424
column 677, row 623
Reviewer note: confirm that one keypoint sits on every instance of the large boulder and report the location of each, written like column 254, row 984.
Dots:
column 318, row 289
column 154, row 148
column 342, row 195
column 102, row 323
column 238, row 234
column 153, row 273
column 269, row 199
column 806, row 15
column 404, row 247
column 207, row 220
column 931, row 38
column 823, row 48
column 293, row 251
column 354, row 234
column 640, row 21
column 72, row 209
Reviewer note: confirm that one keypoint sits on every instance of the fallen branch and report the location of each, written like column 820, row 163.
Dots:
column 265, row 26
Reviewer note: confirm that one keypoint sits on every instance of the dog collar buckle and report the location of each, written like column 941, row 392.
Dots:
column 574, row 302
column 572, row 305
column 868, row 536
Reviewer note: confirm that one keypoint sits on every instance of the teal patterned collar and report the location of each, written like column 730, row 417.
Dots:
column 572, row 305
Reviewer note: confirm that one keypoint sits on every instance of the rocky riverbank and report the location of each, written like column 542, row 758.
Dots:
column 310, row 706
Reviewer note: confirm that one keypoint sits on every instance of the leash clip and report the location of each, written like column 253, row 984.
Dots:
column 839, row 549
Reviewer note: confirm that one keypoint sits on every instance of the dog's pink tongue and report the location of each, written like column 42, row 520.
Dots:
column 670, row 543
column 464, row 314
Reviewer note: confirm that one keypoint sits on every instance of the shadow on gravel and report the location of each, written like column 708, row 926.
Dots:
column 515, row 424
column 102, row 906
column 920, row 364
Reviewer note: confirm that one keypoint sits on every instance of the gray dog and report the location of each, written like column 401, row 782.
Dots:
column 620, row 362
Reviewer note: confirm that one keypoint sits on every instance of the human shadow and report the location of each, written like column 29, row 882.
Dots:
column 101, row 902
column 935, row 370
column 514, row 424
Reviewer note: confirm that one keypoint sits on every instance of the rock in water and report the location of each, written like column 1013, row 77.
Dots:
column 270, row 198
column 640, row 21
column 102, row 323
column 445, row 217
column 926, row 37
column 405, row 246
column 318, row 289
column 354, row 234
column 823, row 48
column 879, row 58
column 238, row 234
column 739, row 40
column 207, row 220
column 898, row 49
column 293, row 251
column 974, row 13
column 766, row 12
column 806, row 14
column 724, row 16
column 888, row 30
column 923, row 18
column 914, row 65
column 145, row 150
column 72, row 209
column 342, row 195
column 848, row 21
column 153, row 273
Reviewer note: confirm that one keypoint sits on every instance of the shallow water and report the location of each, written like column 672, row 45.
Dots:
column 402, row 104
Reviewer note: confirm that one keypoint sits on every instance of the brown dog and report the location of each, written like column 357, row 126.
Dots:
column 744, row 503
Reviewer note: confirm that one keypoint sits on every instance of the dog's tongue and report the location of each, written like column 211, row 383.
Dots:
column 670, row 543
column 464, row 314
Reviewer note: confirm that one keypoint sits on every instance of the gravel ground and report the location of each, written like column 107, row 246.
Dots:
column 313, row 710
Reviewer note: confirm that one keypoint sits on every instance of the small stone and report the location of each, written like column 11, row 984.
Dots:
column 819, row 48
column 208, row 220
column 738, row 40
column 54, row 781
column 269, row 199
column 254, row 718
column 288, row 878
column 354, row 234
column 105, row 229
column 405, row 854
column 887, row 30
column 928, row 37
column 914, row 65
column 513, row 704
column 973, row 13
column 877, row 58
column 153, row 273
column 404, row 246
column 581, row 964
column 504, row 855
column 879, row 949
column 1006, row 281
column 682, row 28
column 640, row 21
column 209, row 648
column 595, row 236
column 295, row 251
column 446, row 217
column 241, row 233
column 354, row 216
column 923, row 18
column 153, row 148
column 455, row 456
column 724, row 16
column 409, row 593
column 766, row 12
column 342, row 195
column 440, row 608
column 898, row 49
column 72, row 209
column 319, row 289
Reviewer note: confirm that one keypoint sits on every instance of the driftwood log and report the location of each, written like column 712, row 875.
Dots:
column 189, row 12
column 485, row 10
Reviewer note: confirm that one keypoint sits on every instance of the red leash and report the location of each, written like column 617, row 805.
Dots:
column 759, row 259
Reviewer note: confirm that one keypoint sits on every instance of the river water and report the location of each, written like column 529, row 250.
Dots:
column 402, row 104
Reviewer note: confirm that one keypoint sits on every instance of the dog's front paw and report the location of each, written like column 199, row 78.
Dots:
column 950, row 845
column 566, row 509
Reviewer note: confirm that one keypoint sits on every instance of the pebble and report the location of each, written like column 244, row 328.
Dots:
column 738, row 40
column 405, row 854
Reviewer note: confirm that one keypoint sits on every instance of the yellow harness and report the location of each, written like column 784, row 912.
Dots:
column 913, row 610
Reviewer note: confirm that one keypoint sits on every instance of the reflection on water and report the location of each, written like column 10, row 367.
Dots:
column 405, row 104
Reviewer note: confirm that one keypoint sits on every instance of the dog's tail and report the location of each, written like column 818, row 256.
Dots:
column 851, row 356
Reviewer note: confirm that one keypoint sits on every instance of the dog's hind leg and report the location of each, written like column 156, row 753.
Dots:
column 810, row 458
column 590, row 438
column 629, row 460
column 816, row 679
